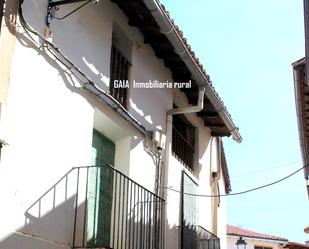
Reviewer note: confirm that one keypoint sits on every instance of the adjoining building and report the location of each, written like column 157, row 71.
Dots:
column 254, row 240
column 295, row 245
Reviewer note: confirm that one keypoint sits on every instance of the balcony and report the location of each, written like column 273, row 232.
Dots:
column 130, row 215
column 197, row 237
column 97, row 207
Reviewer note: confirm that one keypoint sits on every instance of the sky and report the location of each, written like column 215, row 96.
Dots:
column 247, row 48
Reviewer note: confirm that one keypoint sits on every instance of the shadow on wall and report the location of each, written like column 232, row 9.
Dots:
column 68, row 78
column 49, row 221
column 77, row 212
column 191, row 237
column 78, row 55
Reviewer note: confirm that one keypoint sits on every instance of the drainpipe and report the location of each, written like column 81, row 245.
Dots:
column 169, row 128
column 167, row 28
column 169, row 125
column 215, row 165
column 190, row 109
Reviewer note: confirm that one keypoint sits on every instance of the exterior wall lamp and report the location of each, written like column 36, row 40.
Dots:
column 241, row 243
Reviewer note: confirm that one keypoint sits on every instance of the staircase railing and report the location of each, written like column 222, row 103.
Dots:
column 113, row 211
column 197, row 237
column 98, row 207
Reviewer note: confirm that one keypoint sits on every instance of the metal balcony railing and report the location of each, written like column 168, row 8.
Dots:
column 206, row 239
column 97, row 207
column 197, row 237
column 113, row 211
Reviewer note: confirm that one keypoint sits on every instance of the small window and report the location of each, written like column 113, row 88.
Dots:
column 119, row 67
column 262, row 247
column 183, row 141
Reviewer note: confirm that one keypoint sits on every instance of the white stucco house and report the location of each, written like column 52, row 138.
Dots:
column 254, row 240
column 110, row 128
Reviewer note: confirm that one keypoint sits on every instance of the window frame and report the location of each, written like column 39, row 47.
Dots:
column 262, row 247
column 119, row 70
column 183, row 141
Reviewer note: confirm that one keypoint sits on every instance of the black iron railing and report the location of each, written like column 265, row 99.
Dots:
column 206, row 239
column 113, row 211
column 197, row 237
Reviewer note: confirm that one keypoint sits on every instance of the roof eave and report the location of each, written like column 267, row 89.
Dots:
column 297, row 66
column 260, row 238
column 202, row 80
column 306, row 26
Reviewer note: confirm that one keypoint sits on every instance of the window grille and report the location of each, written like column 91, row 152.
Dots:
column 183, row 141
column 119, row 72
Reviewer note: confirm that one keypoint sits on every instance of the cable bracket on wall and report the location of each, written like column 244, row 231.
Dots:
column 54, row 5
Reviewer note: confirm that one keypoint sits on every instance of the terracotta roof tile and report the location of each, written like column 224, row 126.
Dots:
column 295, row 245
column 237, row 231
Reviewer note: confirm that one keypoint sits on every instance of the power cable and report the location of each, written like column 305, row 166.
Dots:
column 241, row 192
column 266, row 169
column 77, row 72
column 63, row 60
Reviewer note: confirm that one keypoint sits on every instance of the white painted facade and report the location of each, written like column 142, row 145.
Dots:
column 252, row 242
column 47, row 120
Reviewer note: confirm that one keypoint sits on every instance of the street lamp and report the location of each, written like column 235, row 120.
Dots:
column 241, row 243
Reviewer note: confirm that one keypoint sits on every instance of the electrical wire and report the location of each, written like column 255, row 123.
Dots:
column 266, row 169
column 65, row 16
column 241, row 192
column 78, row 73
column 48, row 45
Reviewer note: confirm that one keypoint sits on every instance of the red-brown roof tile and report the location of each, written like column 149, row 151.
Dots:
column 237, row 231
column 295, row 245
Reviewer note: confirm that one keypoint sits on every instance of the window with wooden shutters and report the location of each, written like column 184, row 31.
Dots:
column 183, row 141
column 119, row 73
column 100, row 191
